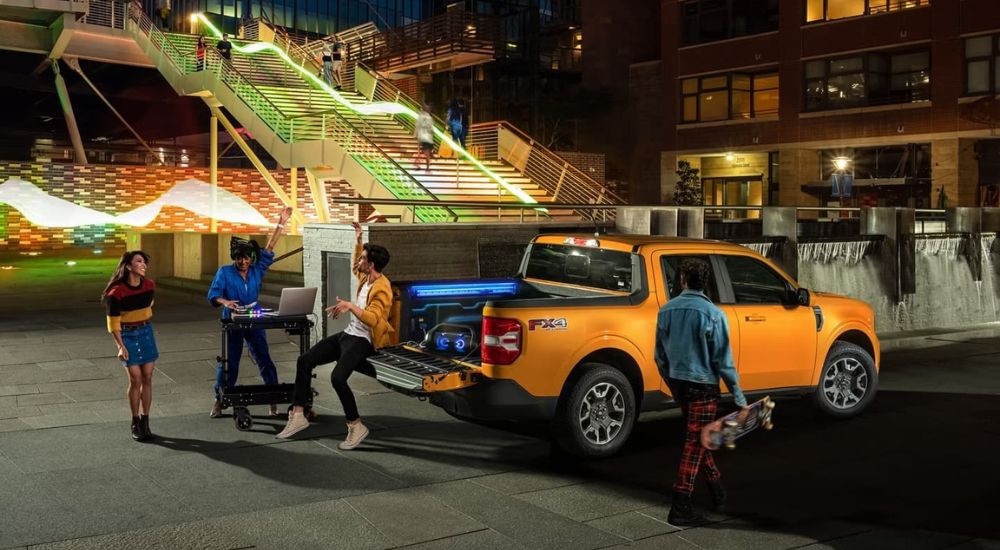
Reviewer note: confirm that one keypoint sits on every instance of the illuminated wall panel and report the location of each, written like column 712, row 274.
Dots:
column 119, row 189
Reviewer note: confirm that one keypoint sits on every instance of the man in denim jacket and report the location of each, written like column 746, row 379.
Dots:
column 693, row 353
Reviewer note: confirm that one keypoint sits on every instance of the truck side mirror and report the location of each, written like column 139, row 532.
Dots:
column 802, row 297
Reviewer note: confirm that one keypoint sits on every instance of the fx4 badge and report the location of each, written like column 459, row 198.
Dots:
column 548, row 324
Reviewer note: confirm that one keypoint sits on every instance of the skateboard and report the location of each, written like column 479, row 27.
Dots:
column 726, row 430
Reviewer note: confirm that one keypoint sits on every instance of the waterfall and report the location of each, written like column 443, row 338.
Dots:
column 764, row 249
column 841, row 252
column 949, row 247
column 947, row 292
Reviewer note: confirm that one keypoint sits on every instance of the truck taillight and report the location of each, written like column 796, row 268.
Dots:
column 501, row 340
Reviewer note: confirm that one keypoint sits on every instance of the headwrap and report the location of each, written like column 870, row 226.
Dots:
column 242, row 247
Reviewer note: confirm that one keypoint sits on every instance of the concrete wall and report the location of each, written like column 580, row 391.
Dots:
column 192, row 255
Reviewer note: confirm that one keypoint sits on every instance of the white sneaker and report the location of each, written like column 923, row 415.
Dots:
column 356, row 433
column 296, row 423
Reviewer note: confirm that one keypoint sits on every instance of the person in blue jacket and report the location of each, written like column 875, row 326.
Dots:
column 237, row 286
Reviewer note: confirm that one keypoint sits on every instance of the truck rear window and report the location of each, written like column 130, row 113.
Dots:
column 577, row 265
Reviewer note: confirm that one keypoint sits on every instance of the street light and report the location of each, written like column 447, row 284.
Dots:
column 730, row 157
column 840, row 163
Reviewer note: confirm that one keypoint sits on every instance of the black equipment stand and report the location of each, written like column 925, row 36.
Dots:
column 242, row 397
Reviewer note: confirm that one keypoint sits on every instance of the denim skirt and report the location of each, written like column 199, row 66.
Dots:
column 141, row 345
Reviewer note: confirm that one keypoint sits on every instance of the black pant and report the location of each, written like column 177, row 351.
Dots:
column 350, row 353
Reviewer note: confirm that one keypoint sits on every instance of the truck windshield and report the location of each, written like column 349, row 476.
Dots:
column 576, row 265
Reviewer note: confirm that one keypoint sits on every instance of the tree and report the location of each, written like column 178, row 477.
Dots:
column 688, row 189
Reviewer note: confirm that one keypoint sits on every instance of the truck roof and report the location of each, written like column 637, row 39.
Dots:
column 632, row 242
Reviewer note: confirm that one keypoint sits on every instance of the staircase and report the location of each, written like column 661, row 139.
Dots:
column 364, row 136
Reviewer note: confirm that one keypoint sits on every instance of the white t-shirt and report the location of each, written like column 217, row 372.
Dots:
column 425, row 127
column 356, row 327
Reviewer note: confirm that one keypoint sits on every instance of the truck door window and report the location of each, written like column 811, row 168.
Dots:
column 754, row 282
column 672, row 276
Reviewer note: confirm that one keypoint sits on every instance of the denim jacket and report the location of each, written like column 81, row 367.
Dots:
column 692, row 343
column 229, row 285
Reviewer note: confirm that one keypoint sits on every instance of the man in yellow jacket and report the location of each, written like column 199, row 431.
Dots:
column 368, row 330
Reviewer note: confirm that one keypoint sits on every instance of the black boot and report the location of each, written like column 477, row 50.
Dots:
column 144, row 426
column 719, row 495
column 136, row 429
column 682, row 513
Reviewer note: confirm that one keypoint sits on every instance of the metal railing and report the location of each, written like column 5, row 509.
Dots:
column 560, row 179
column 427, row 39
column 107, row 14
column 331, row 125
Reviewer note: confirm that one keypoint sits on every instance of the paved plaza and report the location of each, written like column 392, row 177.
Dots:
column 917, row 470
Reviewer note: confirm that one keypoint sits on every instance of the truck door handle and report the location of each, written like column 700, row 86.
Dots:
column 755, row 318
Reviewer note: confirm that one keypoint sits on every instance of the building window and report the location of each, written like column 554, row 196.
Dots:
column 867, row 79
column 710, row 20
column 982, row 61
column 829, row 10
column 729, row 97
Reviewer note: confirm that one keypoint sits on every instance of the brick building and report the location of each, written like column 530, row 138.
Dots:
column 775, row 100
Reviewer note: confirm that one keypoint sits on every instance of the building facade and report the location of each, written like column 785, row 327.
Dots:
column 825, row 102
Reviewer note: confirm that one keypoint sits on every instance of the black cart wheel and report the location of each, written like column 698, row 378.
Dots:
column 243, row 419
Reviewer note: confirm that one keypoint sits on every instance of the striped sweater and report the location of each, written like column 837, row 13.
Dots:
column 127, row 304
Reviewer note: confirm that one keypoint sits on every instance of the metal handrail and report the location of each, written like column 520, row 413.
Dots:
column 394, row 94
column 551, row 172
column 345, row 133
column 473, row 32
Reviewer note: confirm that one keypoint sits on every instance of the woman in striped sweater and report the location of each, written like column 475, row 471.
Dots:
column 129, row 301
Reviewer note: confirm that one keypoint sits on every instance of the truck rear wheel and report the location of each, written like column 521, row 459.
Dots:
column 596, row 415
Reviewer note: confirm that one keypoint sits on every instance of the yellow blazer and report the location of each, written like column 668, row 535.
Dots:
column 376, row 313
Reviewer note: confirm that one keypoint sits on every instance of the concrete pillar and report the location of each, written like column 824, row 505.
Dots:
column 634, row 220
column 969, row 222
column 783, row 222
column 213, row 168
column 294, row 177
column 691, row 222
column 797, row 167
column 668, row 176
column 897, row 250
column 67, row 108
column 955, row 168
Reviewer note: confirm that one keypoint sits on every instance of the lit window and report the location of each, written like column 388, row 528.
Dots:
column 729, row 96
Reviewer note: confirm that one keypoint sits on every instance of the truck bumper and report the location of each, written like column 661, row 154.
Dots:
column 495, row 400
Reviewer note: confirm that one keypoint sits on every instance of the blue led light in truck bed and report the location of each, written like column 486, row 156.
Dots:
column 471, row 289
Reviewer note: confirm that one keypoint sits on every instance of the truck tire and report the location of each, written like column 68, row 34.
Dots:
column 848, row 381
column 597, row 413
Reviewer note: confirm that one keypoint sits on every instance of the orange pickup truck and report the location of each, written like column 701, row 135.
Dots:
column 570, row 339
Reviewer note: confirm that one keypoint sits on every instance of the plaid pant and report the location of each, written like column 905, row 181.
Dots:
column 699, row 404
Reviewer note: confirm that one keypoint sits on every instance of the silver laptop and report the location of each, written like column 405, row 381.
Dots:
column 296, row 301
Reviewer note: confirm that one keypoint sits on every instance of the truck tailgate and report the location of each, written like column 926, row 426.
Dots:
column 415, row 370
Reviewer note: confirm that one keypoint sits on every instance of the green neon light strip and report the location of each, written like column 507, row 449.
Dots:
column 383, row 107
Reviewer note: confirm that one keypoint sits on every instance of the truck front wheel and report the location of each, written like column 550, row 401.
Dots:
column 596, row 416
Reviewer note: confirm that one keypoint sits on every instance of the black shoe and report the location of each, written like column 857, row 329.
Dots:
column 144, row 427
column 682, row 514
column 136, row 429
column 719, row 495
